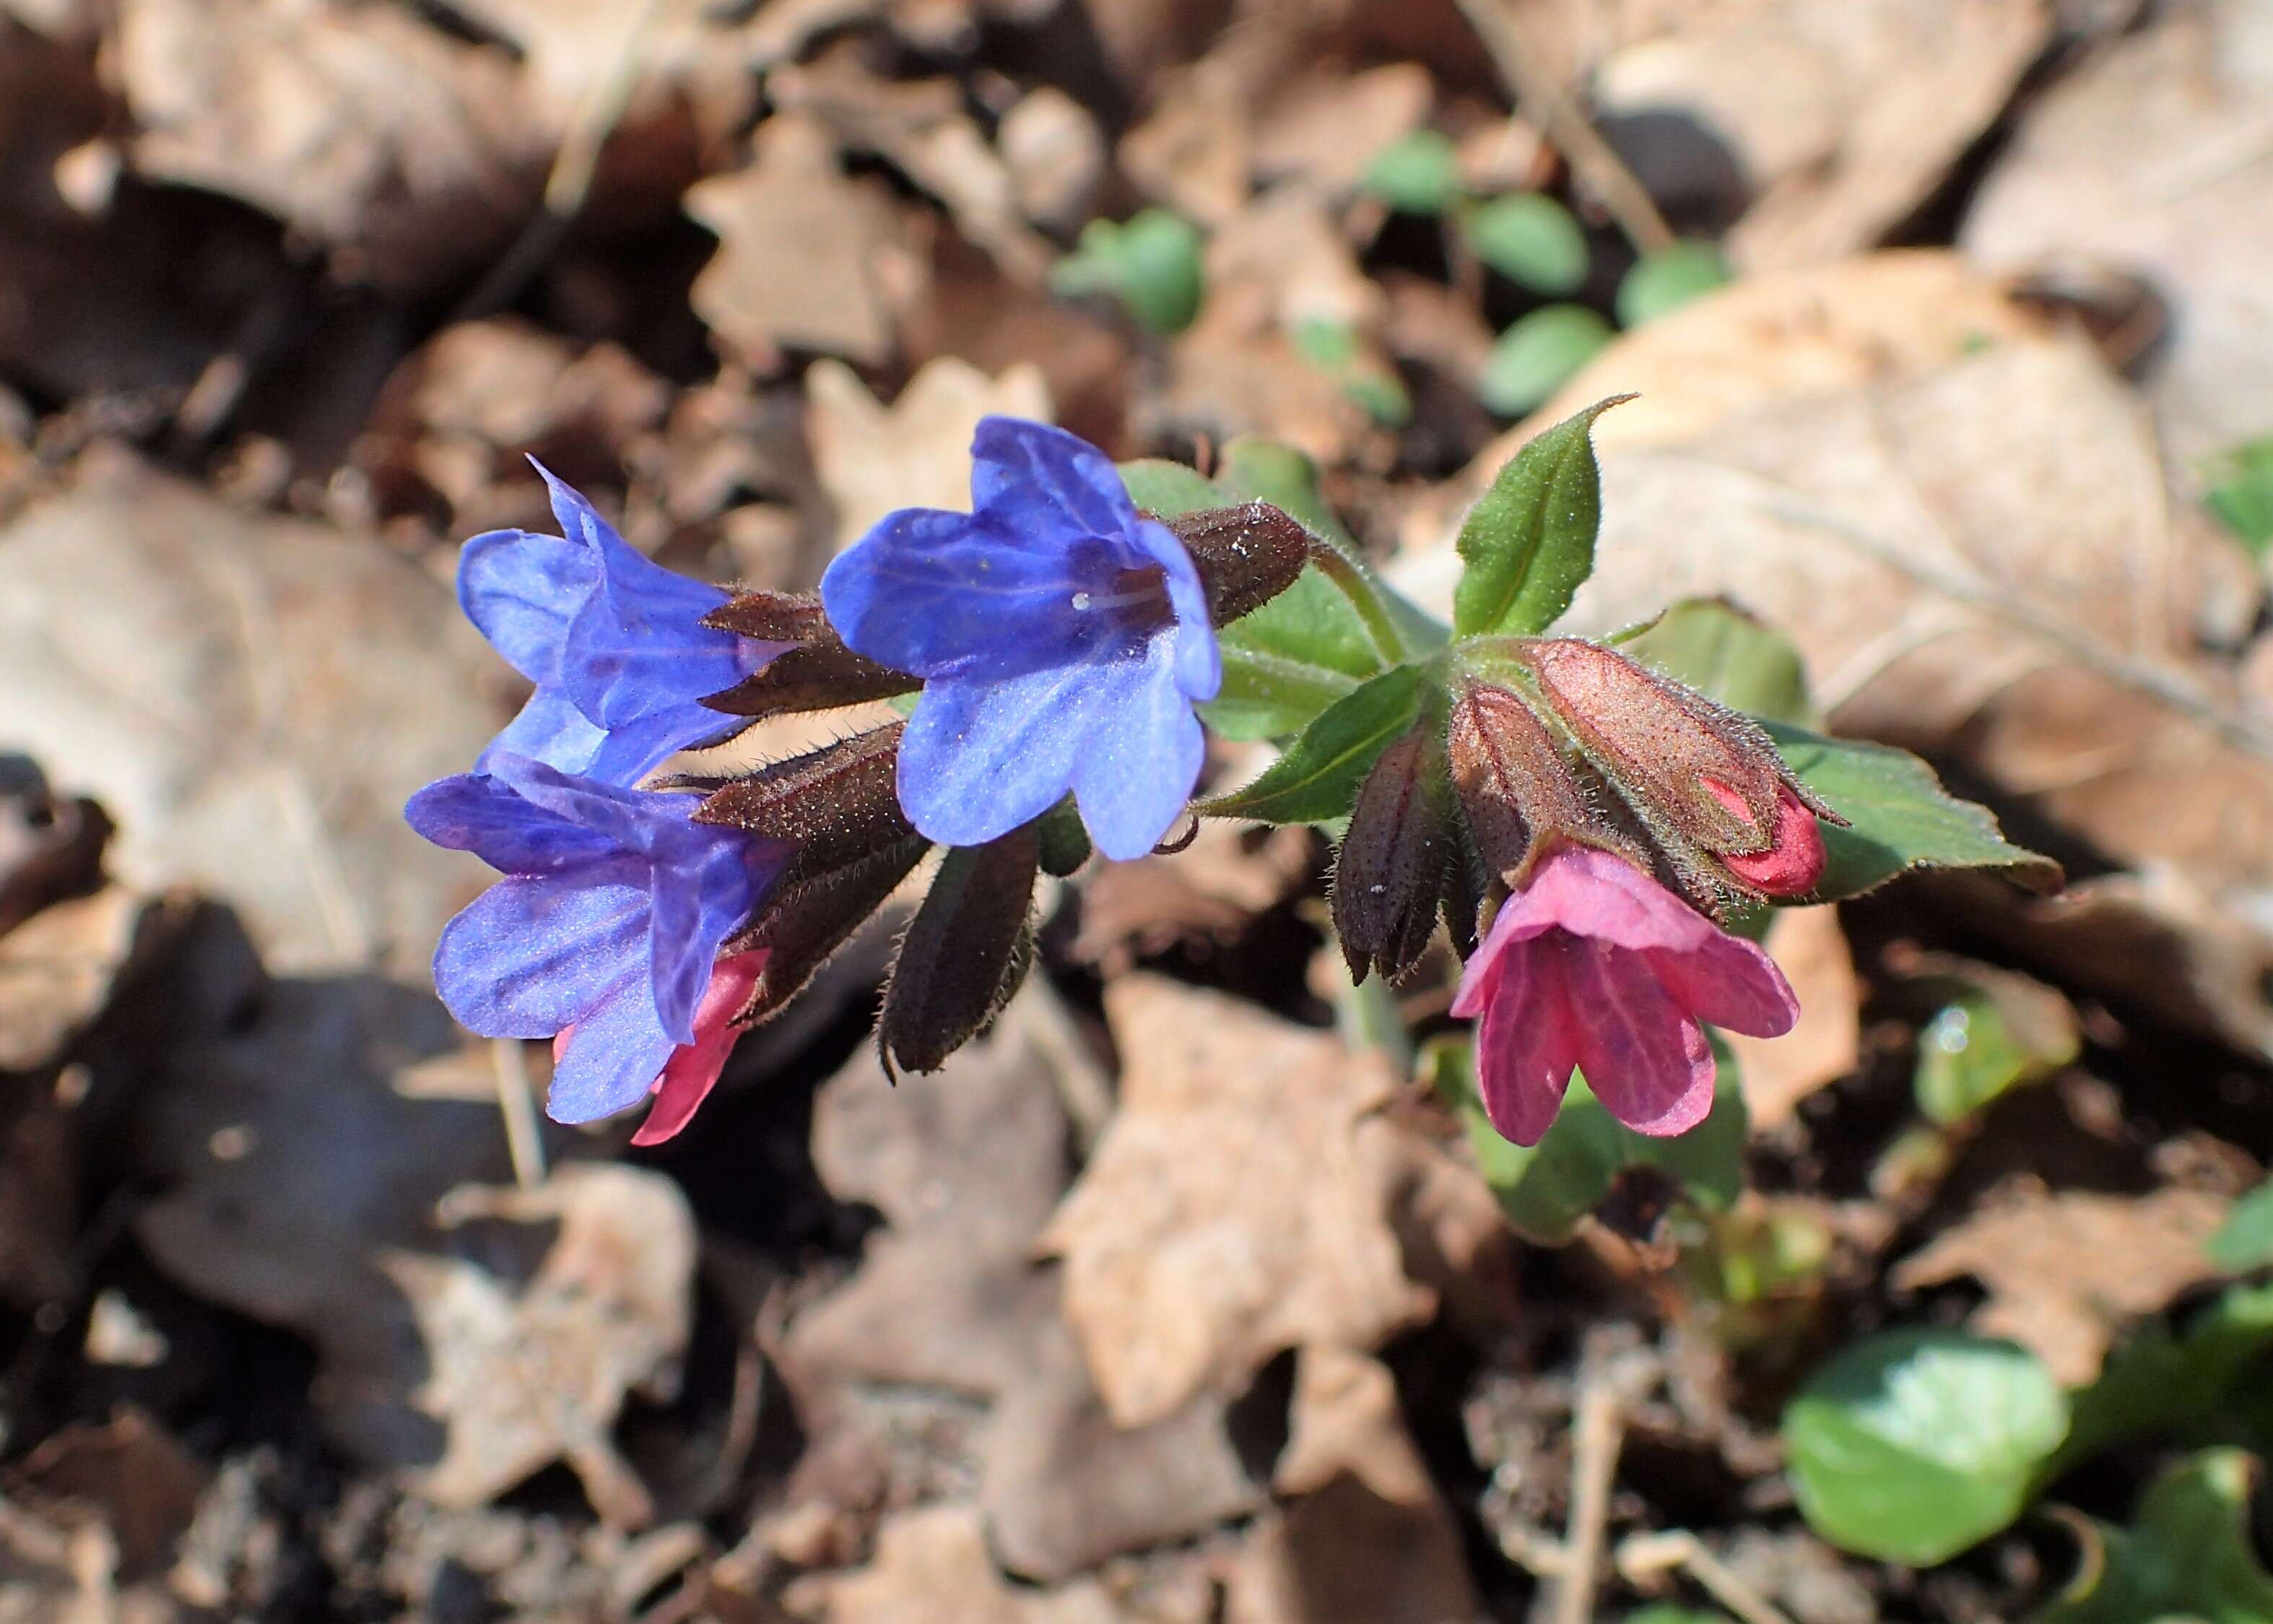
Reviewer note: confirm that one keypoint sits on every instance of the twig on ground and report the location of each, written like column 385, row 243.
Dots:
column 524, row 1139
column 1641, row 1557
column 1599, row 1433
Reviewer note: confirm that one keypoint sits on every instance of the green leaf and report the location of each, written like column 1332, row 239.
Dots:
column 1546, row 1189
column 2188, row 1555
column 1989, row 1040
column 1316, row 780
column 1529, row 542
column 2159, row 1383
column 1170, row 490
column 1150, row 262
column 1727, row 655
column 1416, row 174
column 1900, row 818
column 1913, row 1445
column 2244, row 1240
column 1670, row 277
column 2240, row 493
column 1538, row 354
column 1532, row 240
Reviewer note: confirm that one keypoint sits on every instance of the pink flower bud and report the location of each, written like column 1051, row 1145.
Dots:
column 1795, row 858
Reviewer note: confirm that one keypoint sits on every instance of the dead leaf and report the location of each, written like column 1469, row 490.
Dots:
column 524, row 1373
column 132, row 1472
column 252, row 698
column 1843, row 117
column 56, row 972
column 1192, row 151
column 1366, row 1535
column 2157, row 156
column 1326, row 130
column 1056, row 155
column 916, row 453
column 1811, row 949
column 852, row 270
column 933, row 1564
column 1208, row 895
column 2067, row 1270
column 412, row 156
column 1237, row 1204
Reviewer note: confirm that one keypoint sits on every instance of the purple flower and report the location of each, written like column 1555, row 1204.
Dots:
column 1063, row 642
column 612, row 640
column 1596, row 965
column 608, row 920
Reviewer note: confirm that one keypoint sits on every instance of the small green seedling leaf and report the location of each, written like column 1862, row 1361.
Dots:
column 1668, row 279
column 2187, row 1556
column 1529, row 542
column 1727, row 654
column 1899, row 817
column 1914, row 1445
column 2161, row 1382
column 2000, row 1032
column 1547, row 1188
column 1334, row 347
column 2239, row 492
column 2244, row 1240
column 1316, row 780
column 1532, row 240
column 1150, row 262
column 1537, row 356
column 1416, row 174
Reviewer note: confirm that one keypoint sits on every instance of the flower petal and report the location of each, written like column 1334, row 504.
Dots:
column 942, row 594
column 529, row 956
column 1594, row 893
column 1732, row 983
column 1140, row 757
column 981, row 757
column 1644, row 1056
column 1023, row 473
column 612, row 1059
column 481, row 814
column 694, row 909
column 1199, row 661
column 1527, row 1042
column 550, row 729
column 656, row 826
column 521, row 590
column 692, row 1069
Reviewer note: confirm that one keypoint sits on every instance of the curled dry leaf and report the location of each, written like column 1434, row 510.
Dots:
column 2067, row 1270
column 915, row 453
column 838, row 294
column 2154, row 156
column 1237, row 1205
column 252, row 699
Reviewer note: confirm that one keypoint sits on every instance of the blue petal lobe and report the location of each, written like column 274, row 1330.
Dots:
column 529, row 956
column 1199, row 661
column 521, row 590
column 1135, row 775
column 980, row 758
column 477, row 812
column 551, row 729
column 1025, row 473
column 612, row 1059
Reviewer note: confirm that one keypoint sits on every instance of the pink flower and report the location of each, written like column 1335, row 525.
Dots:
column 692, row 1069
column 1594, row 964
column 1795, row 858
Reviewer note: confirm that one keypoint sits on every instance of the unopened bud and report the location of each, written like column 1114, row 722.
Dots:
column 965, row 951
column 1246, row 555
column 1522, row 796
column 802, row 925
column 837, row 804
column 1392, row 871
column 1795, row 858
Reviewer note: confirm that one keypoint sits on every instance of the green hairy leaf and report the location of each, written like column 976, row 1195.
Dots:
column 1726, row 654
column 1668, row 279
column 1317, row 778
column 1532, row 240
column 2188, row 1555
column 1913, row 1445
column 1538, row 354
column 1900, row 817
column 1529, row 542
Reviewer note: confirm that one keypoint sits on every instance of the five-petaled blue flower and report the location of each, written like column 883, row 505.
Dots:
column 611, row 639
column 608, row 920
column 1062, row 640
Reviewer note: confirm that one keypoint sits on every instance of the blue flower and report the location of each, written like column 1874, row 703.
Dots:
column 1063, row 642
column 608, row 920
column 612, row 640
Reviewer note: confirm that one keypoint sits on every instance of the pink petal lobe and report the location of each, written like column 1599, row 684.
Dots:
column 1527, row 1040
column 692, row 1069
column 1644, row 1056
column 1732, row 983
column 1595, row 893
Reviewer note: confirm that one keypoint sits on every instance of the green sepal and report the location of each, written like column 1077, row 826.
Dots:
column 1529, row 542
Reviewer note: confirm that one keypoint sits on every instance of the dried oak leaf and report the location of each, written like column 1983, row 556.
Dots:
column 915, row 453
column 2152, row 157
column 2067, row 1270
column 410, row 154
column 853, row 268
column 1237, row 1205
column 932, row 1563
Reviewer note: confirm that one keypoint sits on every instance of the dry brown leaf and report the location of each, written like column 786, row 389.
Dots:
column 933, row 1564
column 915, row 453
column 360, row 126
column 56, row 972
column 1326, row 130
column 1366, row 1535
column 1056, row 154
column 1211, row 892
column 1843, row 118
column 252, row 699
column 2066, row 1271
column 1811, row 949
column 852, row 270
column 1192, row 150
column 1237, row 1204
column 525, row 1373
column 131, row 1470
column 2157, row 156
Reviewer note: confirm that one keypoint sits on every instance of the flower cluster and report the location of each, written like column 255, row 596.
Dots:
column 1058, row 642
